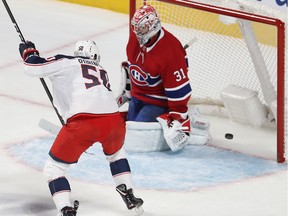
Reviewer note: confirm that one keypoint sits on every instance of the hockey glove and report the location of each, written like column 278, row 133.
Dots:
column 125, row 85
column 175, row 132
column 27, row 49
column 183, row 118
column 126, row 82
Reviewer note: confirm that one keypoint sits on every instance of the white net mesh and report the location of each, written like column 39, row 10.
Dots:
column 220, row 57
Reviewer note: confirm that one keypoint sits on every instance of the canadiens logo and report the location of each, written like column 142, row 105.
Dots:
column 141, row 78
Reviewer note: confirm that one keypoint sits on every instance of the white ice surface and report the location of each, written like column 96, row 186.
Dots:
column 55, row 27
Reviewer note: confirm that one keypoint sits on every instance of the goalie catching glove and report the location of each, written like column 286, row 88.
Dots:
column 176, row 131
column 27, row 49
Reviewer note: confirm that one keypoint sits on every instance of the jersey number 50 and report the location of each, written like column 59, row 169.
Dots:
column 94, row 74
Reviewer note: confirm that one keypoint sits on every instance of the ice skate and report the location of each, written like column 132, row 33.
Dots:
column 134, row 204
column 70, row 211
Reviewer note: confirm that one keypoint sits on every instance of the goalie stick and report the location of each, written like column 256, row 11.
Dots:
column 192, row 41
column 24, row 41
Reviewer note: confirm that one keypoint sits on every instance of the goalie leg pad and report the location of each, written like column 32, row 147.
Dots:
column 196, row 139
column 144, row 137
column 200, row 129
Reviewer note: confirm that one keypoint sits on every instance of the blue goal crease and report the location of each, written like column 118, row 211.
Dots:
column 193, row 168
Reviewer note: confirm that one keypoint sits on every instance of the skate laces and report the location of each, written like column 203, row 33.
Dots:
column 128, row 196
column 70, row 211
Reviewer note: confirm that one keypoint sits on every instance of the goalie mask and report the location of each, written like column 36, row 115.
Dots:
column 145, row 23
column 87, row 49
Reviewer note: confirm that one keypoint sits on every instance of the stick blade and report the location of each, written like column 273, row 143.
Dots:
column 49, row 126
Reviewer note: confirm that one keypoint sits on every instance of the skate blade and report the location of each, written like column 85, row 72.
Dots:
column 136, row 211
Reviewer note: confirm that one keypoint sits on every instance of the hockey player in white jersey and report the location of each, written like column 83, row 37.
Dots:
column 83, row 97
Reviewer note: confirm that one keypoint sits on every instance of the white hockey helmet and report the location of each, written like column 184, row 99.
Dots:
column 145, row 23
column 88, row 49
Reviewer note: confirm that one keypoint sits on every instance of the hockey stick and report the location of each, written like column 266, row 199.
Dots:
column 49, row 126
column 24, row 41
column 53, row 129
column 192, row 41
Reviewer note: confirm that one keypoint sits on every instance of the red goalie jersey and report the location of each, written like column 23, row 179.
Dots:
column 159, row 73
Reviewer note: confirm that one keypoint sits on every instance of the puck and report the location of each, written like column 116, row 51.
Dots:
column 229, row 136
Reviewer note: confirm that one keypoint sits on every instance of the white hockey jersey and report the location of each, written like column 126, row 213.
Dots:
column 79, row 85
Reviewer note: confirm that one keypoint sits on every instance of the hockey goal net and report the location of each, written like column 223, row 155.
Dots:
column 237, row 60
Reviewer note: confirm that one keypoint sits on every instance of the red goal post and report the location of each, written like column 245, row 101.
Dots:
column 240, row 44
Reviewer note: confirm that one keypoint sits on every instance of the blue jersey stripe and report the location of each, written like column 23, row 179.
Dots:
column 179, row 94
